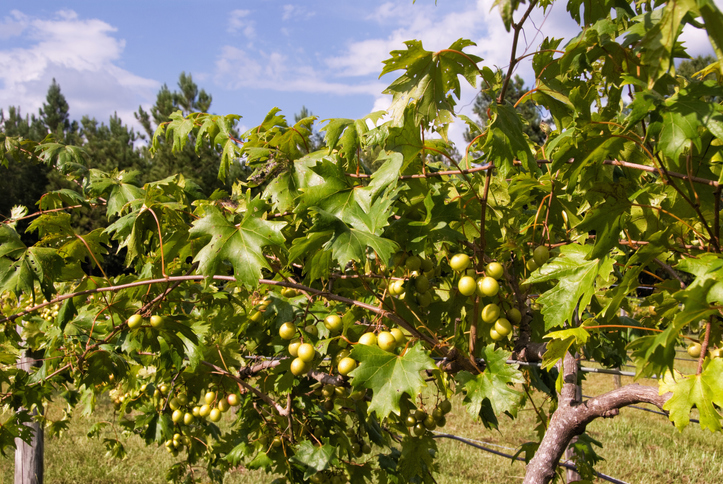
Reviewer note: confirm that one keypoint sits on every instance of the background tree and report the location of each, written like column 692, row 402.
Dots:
column 199, row 167
column 529, row 111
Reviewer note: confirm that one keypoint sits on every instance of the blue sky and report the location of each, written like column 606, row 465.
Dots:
column 111, row 56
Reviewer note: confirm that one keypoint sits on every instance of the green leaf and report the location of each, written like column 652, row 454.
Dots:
column 240, row 244
column 506, row 142
column 429, row 79
column 315, row 459
column 576, row 278
column 702, row 391
column 390, row 376
column 493, row 385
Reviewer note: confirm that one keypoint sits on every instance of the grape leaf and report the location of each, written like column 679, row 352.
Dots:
column 416, row 464
column 389, row 376
column 239, row 244
column 428, row 80
column 576, row 278
column 315, row 458
column 702, row 391
column 493, row 384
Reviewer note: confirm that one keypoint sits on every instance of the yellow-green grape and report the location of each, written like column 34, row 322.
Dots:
column 223, row 405
column 176, row 416
column 459, row 262
column 487, row 286
column 421, row 284
column 541, row 254
column 503, row 327
column 514, row 315
column 157, row 321
column 232, row 399
column 346, row 365
column 694, row 350
column 333, row 323
column 424, row 299
column 135, row 321
column 399, row 336
column 495, row 335
column 413, row 263
column 495, row 270
column 368, row 339
column 257, row 317
column 299, row 367
column 210, row 397
column 531, row 265
column 490, row 313
column 287, row 330
column 188, row 418
column 466, row 285
column 294, row 347
column 214, row 415
column 386, row 341
column 306, row 352
column 396, row 288
column 196, row 411
column 204, row 411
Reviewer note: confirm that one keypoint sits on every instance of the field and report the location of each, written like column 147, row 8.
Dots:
column 639, row 447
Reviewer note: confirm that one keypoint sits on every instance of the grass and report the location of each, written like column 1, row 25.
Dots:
column 639, row 447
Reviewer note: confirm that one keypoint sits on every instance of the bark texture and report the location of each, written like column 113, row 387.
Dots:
column 571, row 418
column 29, row 457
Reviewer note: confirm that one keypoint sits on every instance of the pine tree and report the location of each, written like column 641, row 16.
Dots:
column 55, row 115
column 198, row 167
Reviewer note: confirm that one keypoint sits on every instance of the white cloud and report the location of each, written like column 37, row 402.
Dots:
column 296, row 12
column 82, row 55
column 438, row 29
column 237, row 22
column 238, row 68
column 13, row 25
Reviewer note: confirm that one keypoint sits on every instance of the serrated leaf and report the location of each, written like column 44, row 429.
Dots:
column 315, row 459
column 576, row 276
column 428, row 80
column 241, row 244
column 493, row 384
column 389, row 376
column 702, row 391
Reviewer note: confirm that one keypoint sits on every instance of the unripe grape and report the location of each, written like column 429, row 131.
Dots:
column 413, row 263
column 386, row 341
column 503, row 327
column 176, row 416
column 459, row 262
column 214, row 415
column 368, row 339
column 306, row 352
column 466, row 285
column 514, row 315
column 494, row 270
column 487, row 286
column 294, row 347
column 399, row 336
column 541, row 254
column 287, row 330
column 490, row 313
